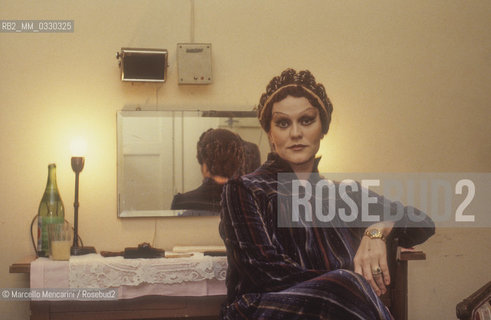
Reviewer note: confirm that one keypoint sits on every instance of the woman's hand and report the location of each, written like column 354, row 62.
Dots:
column 371, row 259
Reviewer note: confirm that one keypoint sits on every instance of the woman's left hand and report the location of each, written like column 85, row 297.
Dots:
column 371, row 259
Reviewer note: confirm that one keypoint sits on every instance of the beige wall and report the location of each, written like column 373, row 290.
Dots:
column 409, row 81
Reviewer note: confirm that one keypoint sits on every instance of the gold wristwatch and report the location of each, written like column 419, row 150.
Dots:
column 375, row 234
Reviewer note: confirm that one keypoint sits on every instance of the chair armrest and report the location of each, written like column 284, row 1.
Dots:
column 403, row 254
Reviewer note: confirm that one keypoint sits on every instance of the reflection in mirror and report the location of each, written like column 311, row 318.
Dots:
column 157, row 156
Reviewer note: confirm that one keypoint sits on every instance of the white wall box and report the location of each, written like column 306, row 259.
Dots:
column 194, row 63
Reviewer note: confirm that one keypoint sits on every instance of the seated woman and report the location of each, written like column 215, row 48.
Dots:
column 221, row 156
column 304, row 272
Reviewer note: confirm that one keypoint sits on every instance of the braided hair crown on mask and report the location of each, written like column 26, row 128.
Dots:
column 295, row 84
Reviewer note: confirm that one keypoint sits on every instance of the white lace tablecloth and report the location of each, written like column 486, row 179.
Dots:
column 193, row 276
column 95, row 271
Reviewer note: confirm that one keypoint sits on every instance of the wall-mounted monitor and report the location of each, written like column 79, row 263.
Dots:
column 143, row 65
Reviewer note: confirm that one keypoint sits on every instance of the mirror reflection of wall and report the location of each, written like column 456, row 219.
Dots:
column 157, row 155
column 145, row 154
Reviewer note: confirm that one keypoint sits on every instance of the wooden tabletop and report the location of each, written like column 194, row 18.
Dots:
column 23, row 266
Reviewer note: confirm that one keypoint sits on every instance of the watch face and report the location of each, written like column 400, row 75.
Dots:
column 374, row 233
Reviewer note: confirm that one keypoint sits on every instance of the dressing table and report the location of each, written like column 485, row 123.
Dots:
column 145, row 288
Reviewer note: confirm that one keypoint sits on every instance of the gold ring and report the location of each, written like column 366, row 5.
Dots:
column 377, row 271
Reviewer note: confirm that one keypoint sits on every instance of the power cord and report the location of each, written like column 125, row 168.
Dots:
column 80, row 241
column 32, row 236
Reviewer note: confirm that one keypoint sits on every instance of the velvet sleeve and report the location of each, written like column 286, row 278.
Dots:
column 412, row 226
column 411, row 232
column 255, row 261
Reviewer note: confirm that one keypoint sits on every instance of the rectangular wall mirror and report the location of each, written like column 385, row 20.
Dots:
column 157, row 156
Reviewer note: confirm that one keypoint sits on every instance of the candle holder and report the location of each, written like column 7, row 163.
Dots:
column 76, row 250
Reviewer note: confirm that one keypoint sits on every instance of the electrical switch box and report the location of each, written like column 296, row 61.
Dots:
column 194, row 63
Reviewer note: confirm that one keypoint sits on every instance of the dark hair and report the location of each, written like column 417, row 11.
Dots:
column 252, row 157
column 222, row 151
column 291, row 83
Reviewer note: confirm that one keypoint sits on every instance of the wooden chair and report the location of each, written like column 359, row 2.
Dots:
column 467, row 308
column 396, row 297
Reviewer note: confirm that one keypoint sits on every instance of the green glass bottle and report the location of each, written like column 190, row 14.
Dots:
column 51, row 210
